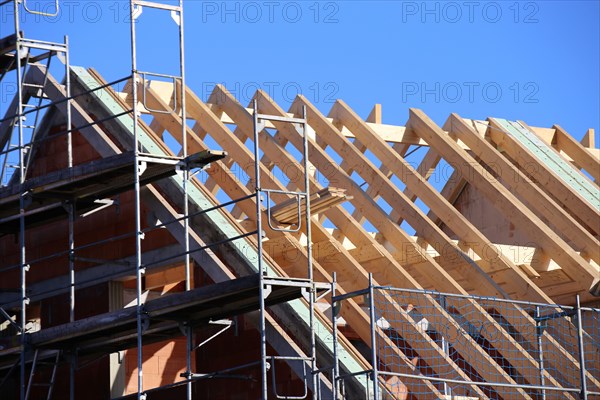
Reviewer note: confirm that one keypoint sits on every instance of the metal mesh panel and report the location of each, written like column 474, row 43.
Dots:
column 483, row 347
column 590, row 322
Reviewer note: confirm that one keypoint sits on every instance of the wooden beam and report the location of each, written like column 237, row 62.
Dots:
column 375, row 114
column 212, row 124
column 517, row 182
column 578, row 153
column 201, row 113
column 589, row 139
column 456, row 221
column 414, row 215
column 345, row 265
column 321, row 159
column 576, row 267
column 545, row 177
column 321, row 201
column 215, row 267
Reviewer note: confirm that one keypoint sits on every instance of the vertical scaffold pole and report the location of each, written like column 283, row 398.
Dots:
column 261, row 269
column 336, row 363
column 374, row 376
column 23, row 259
column 138, row 235
column 68, row 104
column 540, row 335
column 309, row 250
column 582, row 369
column 71, row 212
column 186, row 183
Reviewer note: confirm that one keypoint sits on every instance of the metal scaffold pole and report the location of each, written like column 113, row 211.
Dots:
column 186, row 182
column 261, row 271
column 309, row 250
column 23, row 258
column 334, row 311
column 266, row 281
column 373, row 319
column 71, row 207
column 138, row 237
column 179, row 84
column 27, row 117
column 581, row 346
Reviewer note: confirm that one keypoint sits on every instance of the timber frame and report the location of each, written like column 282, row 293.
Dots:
column 365, row 191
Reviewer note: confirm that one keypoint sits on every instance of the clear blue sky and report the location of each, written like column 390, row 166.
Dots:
column 532, row 60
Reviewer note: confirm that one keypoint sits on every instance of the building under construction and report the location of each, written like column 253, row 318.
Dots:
column 157, row 246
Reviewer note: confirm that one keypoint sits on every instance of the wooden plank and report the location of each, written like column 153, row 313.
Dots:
column 578, row 153
column 503, row 199
column 218, row 300
column 546, row 177
column 287, row 211
column 375, row 115
column 548, row 135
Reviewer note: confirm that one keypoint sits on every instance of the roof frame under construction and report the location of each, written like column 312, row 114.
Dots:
column 282, row 202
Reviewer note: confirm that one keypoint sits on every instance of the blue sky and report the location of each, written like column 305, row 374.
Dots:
column 532, row 60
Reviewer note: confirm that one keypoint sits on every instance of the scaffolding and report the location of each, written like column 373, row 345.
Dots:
column 20, row 54
column 79, row 190
column 576, row 328
column 421, row 342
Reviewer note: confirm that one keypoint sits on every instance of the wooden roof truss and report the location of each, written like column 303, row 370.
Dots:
column 367, row 195
column 540, row 204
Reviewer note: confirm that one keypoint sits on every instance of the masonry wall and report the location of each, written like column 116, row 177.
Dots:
column 49, row 244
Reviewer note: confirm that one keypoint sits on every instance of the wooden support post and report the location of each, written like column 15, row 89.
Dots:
column 589, row 139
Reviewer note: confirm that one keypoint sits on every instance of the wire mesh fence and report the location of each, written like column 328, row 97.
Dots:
column 436, row 345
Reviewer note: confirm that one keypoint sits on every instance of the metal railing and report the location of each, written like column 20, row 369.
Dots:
column 563, row 361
